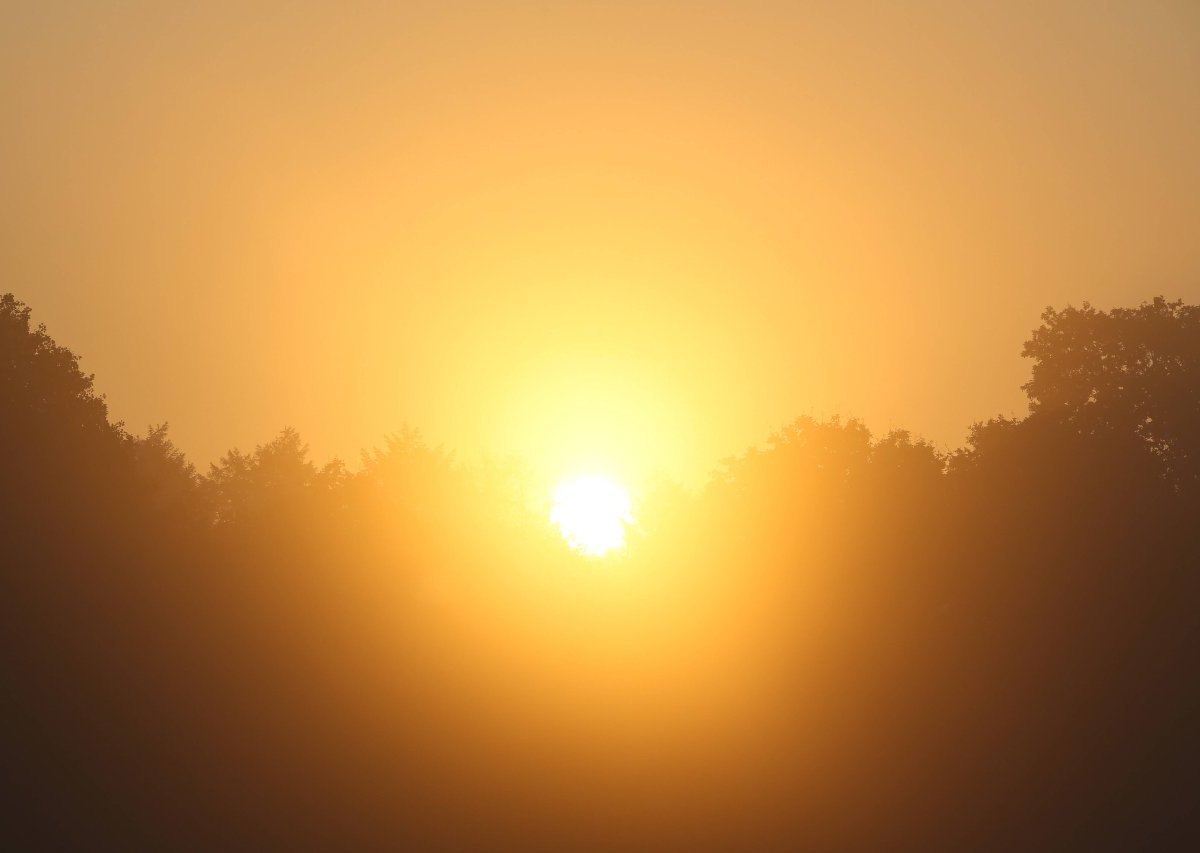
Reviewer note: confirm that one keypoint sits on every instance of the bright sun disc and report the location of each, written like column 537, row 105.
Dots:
column 592, row 513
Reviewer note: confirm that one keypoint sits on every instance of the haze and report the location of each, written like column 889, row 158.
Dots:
column 598, row 235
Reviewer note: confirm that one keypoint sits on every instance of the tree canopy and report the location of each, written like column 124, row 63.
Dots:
column 848, row 641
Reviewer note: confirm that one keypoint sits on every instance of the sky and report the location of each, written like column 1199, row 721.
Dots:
column 620, row 237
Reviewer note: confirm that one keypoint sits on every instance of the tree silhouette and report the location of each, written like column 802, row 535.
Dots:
column 848, row 641
column 276, row 478
column 42, row 389
column 1128, row 371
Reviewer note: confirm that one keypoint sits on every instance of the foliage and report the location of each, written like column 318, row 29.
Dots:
column 1129, row 371
column 847, row 641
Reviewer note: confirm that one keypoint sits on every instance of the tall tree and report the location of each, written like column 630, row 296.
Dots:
column 1129, row 371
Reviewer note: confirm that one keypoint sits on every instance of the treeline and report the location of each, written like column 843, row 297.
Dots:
column 842, row 642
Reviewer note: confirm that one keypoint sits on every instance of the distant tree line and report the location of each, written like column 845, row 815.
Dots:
column 842, row 641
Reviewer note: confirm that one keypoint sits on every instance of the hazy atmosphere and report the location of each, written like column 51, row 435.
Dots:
column 634, row 235
column 557, row 427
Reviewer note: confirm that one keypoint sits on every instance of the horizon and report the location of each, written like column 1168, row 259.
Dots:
column 571, row 426
column 529, row 229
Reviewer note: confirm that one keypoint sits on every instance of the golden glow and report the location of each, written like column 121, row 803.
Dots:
column 517, row 224
column 592, row 513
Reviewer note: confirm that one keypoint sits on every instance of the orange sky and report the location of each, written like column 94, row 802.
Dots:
column 608, row 235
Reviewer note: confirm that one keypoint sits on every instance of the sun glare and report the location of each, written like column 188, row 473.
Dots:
column 592, row 513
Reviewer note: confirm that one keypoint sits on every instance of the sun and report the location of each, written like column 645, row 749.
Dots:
column 592, row 512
